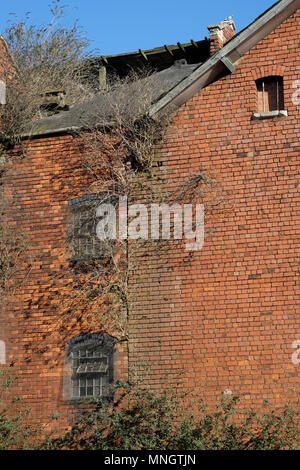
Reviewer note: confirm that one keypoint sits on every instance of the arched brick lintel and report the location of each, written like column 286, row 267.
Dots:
column 268, row 71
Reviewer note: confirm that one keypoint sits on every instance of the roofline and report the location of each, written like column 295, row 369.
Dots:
column 232, row 51
column 209, row 71
column 153, row 51
column 52, row 132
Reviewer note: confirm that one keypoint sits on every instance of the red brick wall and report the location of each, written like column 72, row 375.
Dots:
column 226, row 317
column 217, row 41
column 221, row 318
column 40, row 313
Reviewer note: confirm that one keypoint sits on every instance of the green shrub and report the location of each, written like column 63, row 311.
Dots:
column 144, row 420
column 15, row 430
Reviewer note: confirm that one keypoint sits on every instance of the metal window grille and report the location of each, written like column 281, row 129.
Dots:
column 270, row 94
column 90, row 373
column 85, row 241
column 82, row 224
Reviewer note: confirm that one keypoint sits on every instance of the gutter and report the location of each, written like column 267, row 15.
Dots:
column 62, row 130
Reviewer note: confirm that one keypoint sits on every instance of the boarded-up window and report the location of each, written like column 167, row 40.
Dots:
column 270, row 94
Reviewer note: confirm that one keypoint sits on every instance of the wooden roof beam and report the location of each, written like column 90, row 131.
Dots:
column 168, row 50
column 143, row 55
column 181, row 47
column 194, row 44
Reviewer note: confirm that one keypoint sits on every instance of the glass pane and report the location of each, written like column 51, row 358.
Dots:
column 96, row 382
column 82, row 382
column 104, row 380
column 90, row 372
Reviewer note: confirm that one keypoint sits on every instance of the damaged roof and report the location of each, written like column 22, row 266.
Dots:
column 170, row 63
column 85, row 115
column 158, row 58
column 176, row 83
column 225, row 58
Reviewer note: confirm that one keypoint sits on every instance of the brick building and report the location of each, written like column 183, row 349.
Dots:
column 221, row 319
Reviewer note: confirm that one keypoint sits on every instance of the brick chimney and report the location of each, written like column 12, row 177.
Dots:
column 220, row 34
column 53, row 101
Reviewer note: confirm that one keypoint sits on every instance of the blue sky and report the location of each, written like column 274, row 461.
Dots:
column 116, row 26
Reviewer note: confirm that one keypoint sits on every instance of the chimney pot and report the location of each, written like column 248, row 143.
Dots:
column 221, row 33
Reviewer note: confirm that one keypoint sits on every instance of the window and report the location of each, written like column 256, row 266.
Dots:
column 82, row 223
column 270, row 94
column 90, row 362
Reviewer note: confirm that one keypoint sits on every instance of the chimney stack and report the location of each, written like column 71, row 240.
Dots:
column 221, row 33
column 54, row 101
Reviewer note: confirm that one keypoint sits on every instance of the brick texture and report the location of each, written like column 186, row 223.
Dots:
column 226, row 317
column 221, row 318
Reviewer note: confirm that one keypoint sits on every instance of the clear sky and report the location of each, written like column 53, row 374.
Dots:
column 116, row 26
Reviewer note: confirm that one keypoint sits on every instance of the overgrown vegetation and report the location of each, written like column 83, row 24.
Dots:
column 13, row 245
column 122, row 143
column 16, row 433
column 118, row 151
column 44, row 58
column 117, row 143
column 117, row 158
column 145, row 420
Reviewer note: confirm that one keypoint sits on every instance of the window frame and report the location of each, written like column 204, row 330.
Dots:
column 96, row 341
column 79, row 210
column 261, row 88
